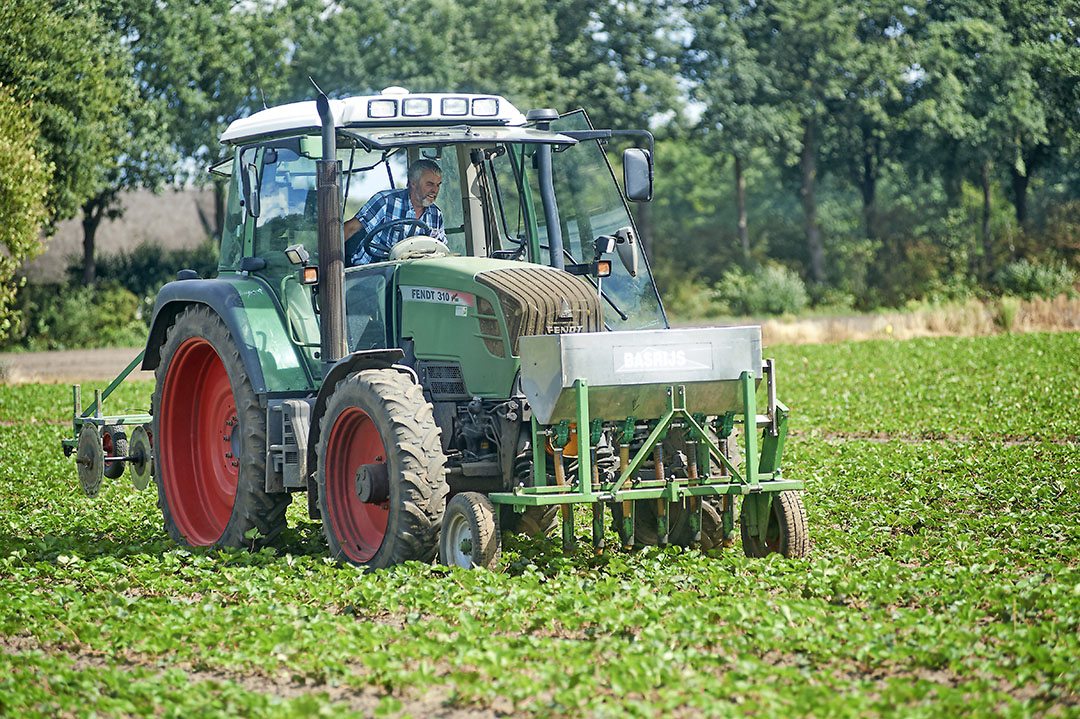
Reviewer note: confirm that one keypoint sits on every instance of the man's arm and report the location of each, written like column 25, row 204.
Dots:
column 437, row 227
column 352, row 226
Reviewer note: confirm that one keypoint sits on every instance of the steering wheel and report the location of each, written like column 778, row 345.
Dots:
column 379, row 250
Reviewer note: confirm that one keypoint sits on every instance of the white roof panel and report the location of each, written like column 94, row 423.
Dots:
column 393, row 106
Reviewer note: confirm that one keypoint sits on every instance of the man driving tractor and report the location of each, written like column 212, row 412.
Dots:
column 415, row 201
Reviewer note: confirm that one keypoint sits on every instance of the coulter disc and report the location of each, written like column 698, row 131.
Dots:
column 142, row 459
column 90, row 460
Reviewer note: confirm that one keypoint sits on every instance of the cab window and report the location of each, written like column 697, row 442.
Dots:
column 288, row 209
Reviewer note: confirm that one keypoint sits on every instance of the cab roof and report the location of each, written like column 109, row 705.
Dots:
column 394, row 107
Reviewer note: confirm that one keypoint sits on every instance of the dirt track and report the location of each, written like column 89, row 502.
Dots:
column 68, row 366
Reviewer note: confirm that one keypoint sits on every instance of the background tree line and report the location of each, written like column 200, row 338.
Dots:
column 864, row 154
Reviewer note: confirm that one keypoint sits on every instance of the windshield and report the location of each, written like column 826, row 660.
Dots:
column 590, row 205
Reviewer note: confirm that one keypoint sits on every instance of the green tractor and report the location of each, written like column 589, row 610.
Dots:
column 443, row 391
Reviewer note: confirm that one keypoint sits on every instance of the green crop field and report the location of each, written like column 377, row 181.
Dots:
column 943, row 491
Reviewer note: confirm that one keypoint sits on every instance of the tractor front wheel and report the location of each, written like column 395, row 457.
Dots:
column 382, row 480
column 210, row 440
column 786, row 532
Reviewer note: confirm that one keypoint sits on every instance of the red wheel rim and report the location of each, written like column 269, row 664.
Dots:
column 107, row 446
column 358, row 526
column 199, row 442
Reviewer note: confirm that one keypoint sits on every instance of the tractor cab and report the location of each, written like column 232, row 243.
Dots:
column 491, row 202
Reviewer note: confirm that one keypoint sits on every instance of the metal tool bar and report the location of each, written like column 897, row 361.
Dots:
column 95, row 409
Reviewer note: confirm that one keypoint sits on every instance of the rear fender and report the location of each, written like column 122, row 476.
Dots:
column 248, row 309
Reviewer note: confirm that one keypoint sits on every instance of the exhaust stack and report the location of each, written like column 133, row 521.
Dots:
column 331, row 243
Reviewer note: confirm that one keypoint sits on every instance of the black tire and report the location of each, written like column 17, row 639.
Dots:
column 115, row 444
column 787, row 532
column 538, row 521
column 380, row 417
column 470, row 535
column 209, row 435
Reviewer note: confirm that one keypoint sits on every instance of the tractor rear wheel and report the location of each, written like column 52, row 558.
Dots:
column 210, row 440
column 786, row 533
column 382, row 480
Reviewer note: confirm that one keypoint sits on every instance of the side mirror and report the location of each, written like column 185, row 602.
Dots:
column 626, row 246
column 637, row 174
column 251, row 189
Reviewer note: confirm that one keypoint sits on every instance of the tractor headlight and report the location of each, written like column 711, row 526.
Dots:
column 485, row 107
column 297, row 254
column 382, row 108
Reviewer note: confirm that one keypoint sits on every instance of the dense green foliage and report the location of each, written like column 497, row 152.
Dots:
column 23, row 184
column 942, row 579
column 58, row 58
column 115, row 313
column 883, row 151
column 1031, row 279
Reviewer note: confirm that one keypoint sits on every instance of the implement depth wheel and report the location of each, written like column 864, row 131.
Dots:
column 535, row 521
column 115, row 444
column 382, row 480
column 210, row 439
column 470, row 537
column 787, row 532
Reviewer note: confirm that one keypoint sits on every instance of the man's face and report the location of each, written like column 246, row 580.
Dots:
column 426, row 189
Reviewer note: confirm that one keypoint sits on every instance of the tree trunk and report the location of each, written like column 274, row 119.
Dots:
column 740, row 210
column 868, row 186
column 1020, row 186
column 809, row 204
column 987, row 248
column 92, row 213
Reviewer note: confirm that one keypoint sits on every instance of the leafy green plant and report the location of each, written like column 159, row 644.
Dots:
column 944, row 501
column 1033, row 279
column 768, row 290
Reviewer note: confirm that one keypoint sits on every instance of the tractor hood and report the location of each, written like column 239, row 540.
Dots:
column 468, row 314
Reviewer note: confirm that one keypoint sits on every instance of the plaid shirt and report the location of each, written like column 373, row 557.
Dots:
column 395, row 205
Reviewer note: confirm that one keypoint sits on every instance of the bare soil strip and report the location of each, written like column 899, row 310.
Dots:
column 69, row 366
column 971, row 319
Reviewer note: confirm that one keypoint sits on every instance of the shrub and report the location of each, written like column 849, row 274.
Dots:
column 768, row 290
column 147, row 267
column 24, row 179
column 1032, row 279
column 56, row 318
